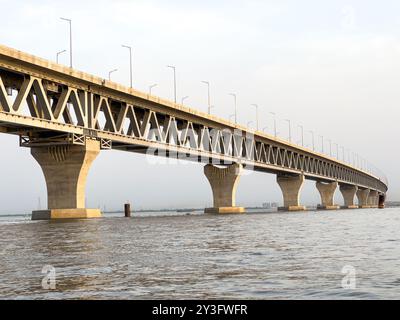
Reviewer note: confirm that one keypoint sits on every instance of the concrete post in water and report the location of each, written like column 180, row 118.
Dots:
column 224, row 182
column 348, row 193
column 327, row 192
column 127, row 210
column 65, row 168
column 362, row 195
column 291, row 187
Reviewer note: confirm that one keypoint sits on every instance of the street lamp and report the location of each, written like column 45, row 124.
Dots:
column 256, row 106
column 70, row 39
column 313, row 139
column 322, row 140
column 151, row 88
column 302, row 134
column 330, row 147
column 174, row 69
column 290, row 130
column 235, row 98
column 209, row 99
column 274, row 114
column 111, row 72
column 184, row 98
column 248, row 123
column 231, row 116
column 130, row 62
column 337, row 150
column 265, row 128
column 58, row 54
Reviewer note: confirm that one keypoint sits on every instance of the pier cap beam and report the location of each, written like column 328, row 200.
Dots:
column 224, row 182
column 291, row 187
column 65, row 168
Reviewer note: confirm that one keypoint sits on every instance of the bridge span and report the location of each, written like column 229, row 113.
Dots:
column 67, row 117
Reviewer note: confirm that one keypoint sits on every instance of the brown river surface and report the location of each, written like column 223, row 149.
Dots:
column 197, row 256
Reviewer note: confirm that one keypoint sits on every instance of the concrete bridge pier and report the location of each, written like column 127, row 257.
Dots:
column 291, row 187
column 327, row 192
column 65, row 168
column 348, row 193
column 382, row 199
column 362, row 195
column 224, row 182
column 373, row 199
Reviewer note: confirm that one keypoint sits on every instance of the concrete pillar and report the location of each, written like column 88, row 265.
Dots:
column 65, row 169
column 291, row 187
column 327, row 192
column 381, row 198
column 348, row 193
column 373, row 199
column 224, row 182
column 362, row 196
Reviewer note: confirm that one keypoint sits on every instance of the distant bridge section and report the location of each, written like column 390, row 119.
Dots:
column 66, row 117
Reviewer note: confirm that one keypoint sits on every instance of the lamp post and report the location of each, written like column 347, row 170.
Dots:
column 235, row 99
column 265, row 128
column 274, row 114
column 313, row 139
column 256, row 106
column 337, row 150
column 184, row 98
column 231, row 116
column 290, row 129
column 130, row 63
column 151, row 88
column 330, row 147
column 209, row 99
column 58, row 54
column 110, row 73
column 322, row 142
column 248, row 123
column 302, row 134
column 174, row 69
column 70, row 39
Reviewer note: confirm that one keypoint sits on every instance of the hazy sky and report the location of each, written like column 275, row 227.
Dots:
column 332, row 66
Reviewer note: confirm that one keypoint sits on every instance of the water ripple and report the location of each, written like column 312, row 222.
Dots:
column 253, row 256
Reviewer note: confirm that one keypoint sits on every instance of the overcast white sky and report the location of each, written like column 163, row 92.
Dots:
column 332, row 66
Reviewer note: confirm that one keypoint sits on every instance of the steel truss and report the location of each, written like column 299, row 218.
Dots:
column 47, row 108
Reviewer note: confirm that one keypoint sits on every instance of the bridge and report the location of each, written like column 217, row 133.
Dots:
column 67, row 117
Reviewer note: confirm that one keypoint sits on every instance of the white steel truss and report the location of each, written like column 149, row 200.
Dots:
column 46, row 108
